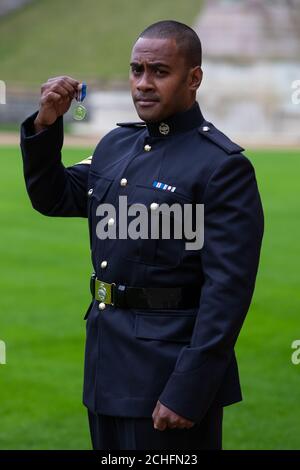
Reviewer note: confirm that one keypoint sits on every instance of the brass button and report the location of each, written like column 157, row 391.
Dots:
column 205, row 128
column 153, row 206
column 103, row 264
column 147, row 148
column 102, row 306
column 90, row 191
column 123, row 182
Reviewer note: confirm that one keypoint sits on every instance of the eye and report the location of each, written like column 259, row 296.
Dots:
column 136, row 70
column 160, row 72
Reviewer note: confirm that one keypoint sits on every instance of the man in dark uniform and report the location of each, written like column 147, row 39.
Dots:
column 162, row 325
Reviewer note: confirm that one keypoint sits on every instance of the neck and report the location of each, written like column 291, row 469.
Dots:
column 182, row 121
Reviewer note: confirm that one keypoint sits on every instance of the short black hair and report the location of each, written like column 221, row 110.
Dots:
column 186, row 38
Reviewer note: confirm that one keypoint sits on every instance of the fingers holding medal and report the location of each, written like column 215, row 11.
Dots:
column 56, row 97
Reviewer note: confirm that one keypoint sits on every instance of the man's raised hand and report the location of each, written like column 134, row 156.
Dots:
column 56, row 97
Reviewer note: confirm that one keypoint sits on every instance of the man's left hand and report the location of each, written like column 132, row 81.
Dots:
column 164, row 418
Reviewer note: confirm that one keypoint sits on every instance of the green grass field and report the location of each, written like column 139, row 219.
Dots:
column 44, row 273
column 72, row 37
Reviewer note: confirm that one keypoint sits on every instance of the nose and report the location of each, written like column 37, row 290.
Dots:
column 144, row 83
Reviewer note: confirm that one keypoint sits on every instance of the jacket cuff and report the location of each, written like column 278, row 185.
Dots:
column 191, row 393
column 50, row 139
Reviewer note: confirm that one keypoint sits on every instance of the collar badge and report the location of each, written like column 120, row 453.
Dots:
column 164, row 128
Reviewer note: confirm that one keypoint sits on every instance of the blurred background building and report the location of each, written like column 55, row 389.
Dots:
column 251, row 52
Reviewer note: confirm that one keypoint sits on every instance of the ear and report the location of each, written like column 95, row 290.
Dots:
column 196, row 75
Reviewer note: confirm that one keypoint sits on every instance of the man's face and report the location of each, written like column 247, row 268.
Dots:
column 159, row 79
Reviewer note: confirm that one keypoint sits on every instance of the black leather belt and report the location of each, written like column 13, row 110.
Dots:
column 144, row 297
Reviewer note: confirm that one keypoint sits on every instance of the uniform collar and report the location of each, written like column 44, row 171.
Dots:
column 179, row 122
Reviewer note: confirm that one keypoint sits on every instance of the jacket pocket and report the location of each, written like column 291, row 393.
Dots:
column 163, row 326
column 164, row 251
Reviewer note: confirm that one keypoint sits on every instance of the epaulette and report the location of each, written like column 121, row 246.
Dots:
column 132, row 124
column 209, row 131
column 86, row 161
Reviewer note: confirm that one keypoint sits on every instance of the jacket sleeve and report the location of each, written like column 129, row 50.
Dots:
column 233, row 230
column 53, row 189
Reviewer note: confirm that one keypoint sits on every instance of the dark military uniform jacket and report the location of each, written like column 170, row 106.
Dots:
column 183, row 357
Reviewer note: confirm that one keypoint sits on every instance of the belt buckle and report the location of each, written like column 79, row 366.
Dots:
column 104, row 292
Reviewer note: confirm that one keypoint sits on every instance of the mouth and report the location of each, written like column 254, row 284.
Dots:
column 146, row 103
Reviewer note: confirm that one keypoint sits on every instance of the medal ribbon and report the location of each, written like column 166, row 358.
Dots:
column 81, row 92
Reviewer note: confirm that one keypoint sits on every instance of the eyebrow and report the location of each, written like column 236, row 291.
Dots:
column 151, row 64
